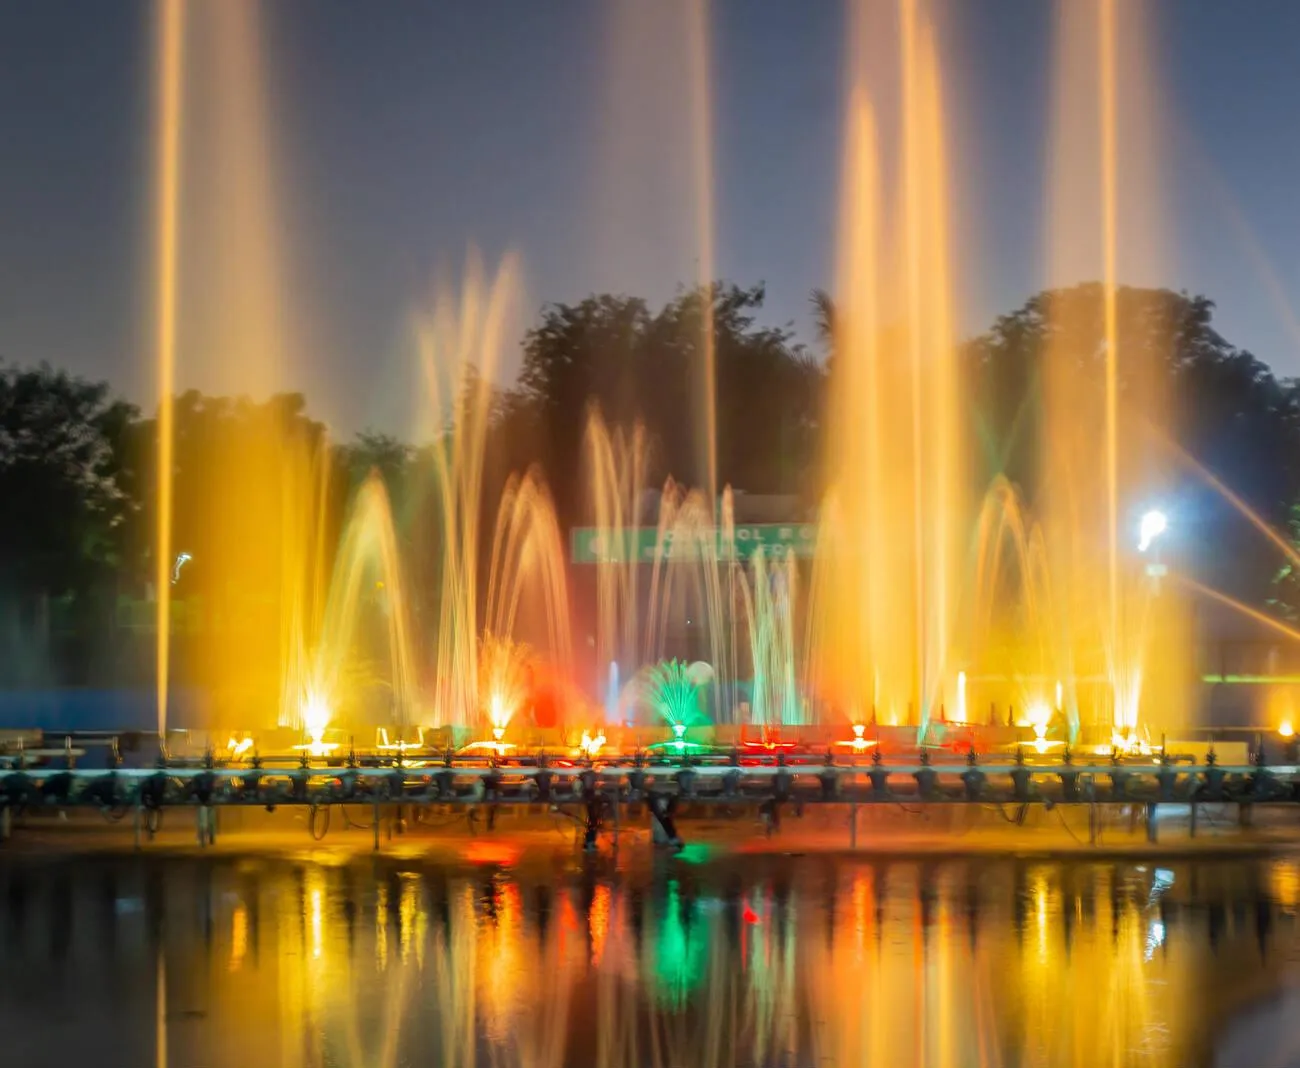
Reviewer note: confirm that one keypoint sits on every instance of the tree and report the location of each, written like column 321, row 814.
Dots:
column 373, row 451
column 638, row 366
column 65, row 484
column 1206, row 405
column 61, row 477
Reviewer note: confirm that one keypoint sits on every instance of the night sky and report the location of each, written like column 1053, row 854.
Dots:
column 400, row 133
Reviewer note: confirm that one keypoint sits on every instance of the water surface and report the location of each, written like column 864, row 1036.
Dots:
column 698, row 960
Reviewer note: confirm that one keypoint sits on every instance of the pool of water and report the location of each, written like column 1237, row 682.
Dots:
column 320, row 960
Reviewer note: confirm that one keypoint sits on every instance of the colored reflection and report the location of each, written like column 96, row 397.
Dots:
column 952, row 962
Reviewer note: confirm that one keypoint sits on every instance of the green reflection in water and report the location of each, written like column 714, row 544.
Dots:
column 680, row 952
column 697, row 853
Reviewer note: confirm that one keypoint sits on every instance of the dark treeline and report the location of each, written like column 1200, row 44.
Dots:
column 76, row 462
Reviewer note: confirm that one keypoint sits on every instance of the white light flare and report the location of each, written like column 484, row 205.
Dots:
column 1154, row 523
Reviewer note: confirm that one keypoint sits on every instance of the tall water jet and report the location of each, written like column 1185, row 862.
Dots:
column 260, row 518
column 236, row 479
column 769, row 599
column 939, row 503
column 654, row 180
column 1103, row 373
column 616, row 464
column 525, row 596
column 528, row 557
column 170, row 84
column 236, row 335
column 706, row 421
column 460, row 350
column 886, row 576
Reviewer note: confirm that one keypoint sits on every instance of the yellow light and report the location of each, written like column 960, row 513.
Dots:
column 239, row 747
column 1038, row 715
column 401, row 745
column 1287, row 730
column 315, row 715
column 315, row 721
column 499, row 714
column 495, row 747
column 592, row 744
column 857, row 742
column 1130, row 744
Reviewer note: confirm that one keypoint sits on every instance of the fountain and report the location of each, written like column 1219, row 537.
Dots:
column 938, row 587
column 671, row 692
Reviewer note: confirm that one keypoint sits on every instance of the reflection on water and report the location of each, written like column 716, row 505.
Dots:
column 753, row 961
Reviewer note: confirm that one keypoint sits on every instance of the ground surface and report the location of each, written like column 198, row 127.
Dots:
column 893, row 830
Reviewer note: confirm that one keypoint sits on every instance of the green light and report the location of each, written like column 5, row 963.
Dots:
column 670, row 690
column 695, row 853
column 679, row 952
column 678, row 747
column 1252, row 680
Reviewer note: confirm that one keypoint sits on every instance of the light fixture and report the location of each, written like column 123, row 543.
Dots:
column 1154, row 523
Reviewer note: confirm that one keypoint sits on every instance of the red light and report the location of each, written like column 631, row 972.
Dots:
column 484, row 852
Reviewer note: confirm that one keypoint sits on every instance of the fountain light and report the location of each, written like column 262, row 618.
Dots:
column 401, row 745
column 858, row 743
column 1038, row 715
column 592, row 744
column 959, row 713
column 494, row 746
column 771, row 745
column 238, row 747
column 1287, row 729
column 679, row 735
column 1131, row 744
column 315, row 719
column 497, row 714
column 1154, row 523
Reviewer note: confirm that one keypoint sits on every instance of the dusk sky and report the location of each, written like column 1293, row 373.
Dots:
column 398, row 134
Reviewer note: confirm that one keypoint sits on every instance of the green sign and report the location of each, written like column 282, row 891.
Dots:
column 596, row 545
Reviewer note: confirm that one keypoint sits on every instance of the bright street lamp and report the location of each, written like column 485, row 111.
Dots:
column 1154, row 523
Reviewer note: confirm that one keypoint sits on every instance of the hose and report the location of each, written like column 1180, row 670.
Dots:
column 318, row 827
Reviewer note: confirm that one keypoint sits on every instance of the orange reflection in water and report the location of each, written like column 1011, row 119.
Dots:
column 488, row 851
column 946, row 962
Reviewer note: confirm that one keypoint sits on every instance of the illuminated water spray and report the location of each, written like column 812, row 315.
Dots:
column 170, row 84
column 672, row 693
column 612, row 711
column 892, row 529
